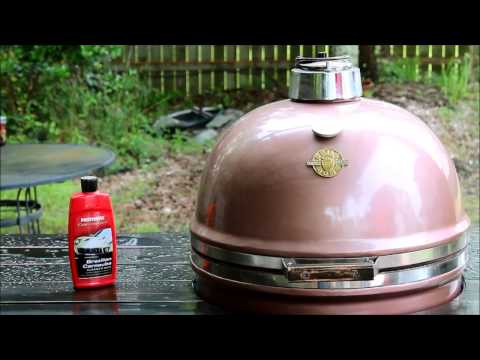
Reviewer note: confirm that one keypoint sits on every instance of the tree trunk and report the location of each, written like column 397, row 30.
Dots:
column 368, row 62
column 351, row 50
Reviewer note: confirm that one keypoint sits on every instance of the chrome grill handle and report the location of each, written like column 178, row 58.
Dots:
column 301, row 270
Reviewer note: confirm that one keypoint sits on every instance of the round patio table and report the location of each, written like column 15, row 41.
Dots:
column 25, row 166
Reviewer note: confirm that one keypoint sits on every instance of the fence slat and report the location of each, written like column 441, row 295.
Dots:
column 294, row 52
column 424, row 55
column 269, row 61
column 437, row 54
column 218, row 80
column 180, row 77
column 307, row 50
column 206, row 78
column 257, row 60
column 155, row 71
column 169, row 76
column 244, row 72
column 282, row 73
column 194, row 69
column 229, row 75
column 192, row 75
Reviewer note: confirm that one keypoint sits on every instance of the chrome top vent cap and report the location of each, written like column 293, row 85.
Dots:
column 324, row 78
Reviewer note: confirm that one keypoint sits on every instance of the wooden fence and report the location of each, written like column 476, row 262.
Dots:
column 197, row 69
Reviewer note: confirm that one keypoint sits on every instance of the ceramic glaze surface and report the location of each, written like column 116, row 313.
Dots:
column 400, row 191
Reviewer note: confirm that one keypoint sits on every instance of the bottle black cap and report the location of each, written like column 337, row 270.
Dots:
column 89, row 183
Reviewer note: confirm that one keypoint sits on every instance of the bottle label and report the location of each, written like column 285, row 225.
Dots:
column 94, row 254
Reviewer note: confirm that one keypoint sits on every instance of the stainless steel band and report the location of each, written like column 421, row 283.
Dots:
column 381, row 262
column 329, row 273
column 277, row 279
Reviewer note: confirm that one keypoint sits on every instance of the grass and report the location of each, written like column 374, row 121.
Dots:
column 55, row 200
column 145, row 228
column 471, row 204
column 181, row 143
column 454, row 79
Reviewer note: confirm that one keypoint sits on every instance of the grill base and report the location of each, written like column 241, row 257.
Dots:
column 233, row 298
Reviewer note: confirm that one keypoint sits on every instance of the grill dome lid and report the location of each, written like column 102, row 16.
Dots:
column 328, row 194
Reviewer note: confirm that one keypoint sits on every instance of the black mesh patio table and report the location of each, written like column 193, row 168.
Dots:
column 25, row 166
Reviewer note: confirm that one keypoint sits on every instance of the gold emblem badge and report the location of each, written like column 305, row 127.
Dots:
column 327, row 162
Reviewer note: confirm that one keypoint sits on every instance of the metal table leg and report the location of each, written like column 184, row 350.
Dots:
column 30, row 205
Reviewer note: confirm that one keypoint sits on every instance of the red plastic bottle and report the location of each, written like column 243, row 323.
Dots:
column 92, row 240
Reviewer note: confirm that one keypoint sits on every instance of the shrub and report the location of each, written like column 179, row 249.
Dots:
column 454, row 79
column 70, row 94
column 399, row 70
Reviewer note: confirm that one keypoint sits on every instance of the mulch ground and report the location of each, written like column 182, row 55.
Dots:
column 171, row 188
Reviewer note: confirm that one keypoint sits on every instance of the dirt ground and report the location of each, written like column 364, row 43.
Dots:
column 167, row 195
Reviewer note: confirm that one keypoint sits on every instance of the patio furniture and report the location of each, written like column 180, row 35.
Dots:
column 25, row 166
column 154, row 277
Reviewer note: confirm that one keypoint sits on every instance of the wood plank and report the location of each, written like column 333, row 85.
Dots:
column 63, row 292
column 423, row 50
column 411, row 51
column 60, row 240
column 218, row 61
column 149, row 68
column 204, row 66
column 237, row 70
column 199, row 72
column 161, row 308
column 269, row 72
column 141, row 56
column 180, row 76
column 155, row 74
column 206, row 51
column 294, row 52
column 256, row 66
column 229, row 75
column 58, row 256
column 168, row 75
column 192, row 75
column 141, row 53
column 437, row 54
column 244, row 71
column 130, row 273
column 282, row 72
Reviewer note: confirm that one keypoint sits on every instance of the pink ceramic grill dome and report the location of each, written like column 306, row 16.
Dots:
column 266, row 222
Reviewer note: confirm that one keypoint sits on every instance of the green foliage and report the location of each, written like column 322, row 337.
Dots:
column 54, row 199
column 455, row 79
column 146, row 227
column 70, row 94
column 399, row 70
column 181, row 143
column 472, row 207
